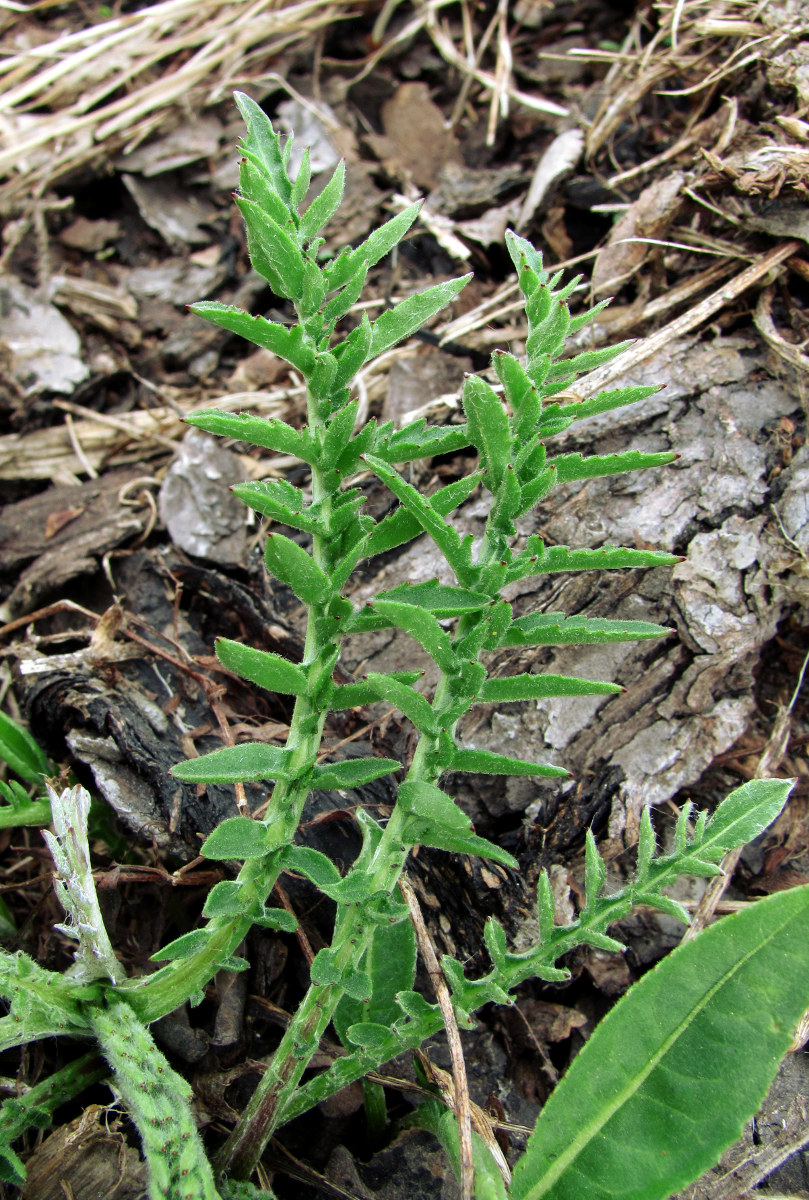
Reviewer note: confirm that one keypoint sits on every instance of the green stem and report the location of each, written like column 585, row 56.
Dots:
column 163, row 992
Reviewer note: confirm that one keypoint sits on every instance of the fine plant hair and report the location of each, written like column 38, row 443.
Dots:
column 362, row 984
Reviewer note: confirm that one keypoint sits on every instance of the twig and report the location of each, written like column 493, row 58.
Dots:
column 462, row 1105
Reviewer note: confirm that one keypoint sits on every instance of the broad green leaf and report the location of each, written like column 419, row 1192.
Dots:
column 576, row 466
column 668, row 1078
column 484, row 762
column 271, row 434
column 555, row 629
column 442, row 1123
column 22, row 752
column 287, row 343
column 488, row 428
column 367, row 1034
column 269, row 671
column 414, row 706
column 352, row 695
column 540, row 687
column 183, row 947
column 238, row 837
column 410, row 314
column 273, row 253
column 290, row 563
column 376, row 246
column 324, row 205
column 423, row 627
column 390, row 961
column 352, row 772
column 235, row 764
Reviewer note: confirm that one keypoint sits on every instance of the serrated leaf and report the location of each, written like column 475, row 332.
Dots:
column 414, row 706
column 521, row 394
column 352, row 772
column 439, row 837
column 350, row 356
column 401, row 526
column 420, row 440
column 423, row 627
column 290, row 563
column 484, row 762
column 589, row 360
column 273, row 253
column 575, row 466
column 488, row 428
column 428, row 517
column 379, row 243
column 667, row 1071
column 607, row 558
column 237, row 837
column 324, row 205
column 270, row 434
column 338, row 435
column 442, row 600
column 604, row 402
column 646, row 845
column 555, row 629
column 263, row 142
column 745, row 813
column 595, row 871
column 287, row 343
column 540, row 687
column 411, row 314
column 268, row 670
column 352, row 695
column 235, row 764
column 345, row 299
column 183, row 947
column 265, row 497
column 22, row 752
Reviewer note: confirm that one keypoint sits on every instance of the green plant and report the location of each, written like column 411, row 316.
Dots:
column 26, row 758
column 362, row 983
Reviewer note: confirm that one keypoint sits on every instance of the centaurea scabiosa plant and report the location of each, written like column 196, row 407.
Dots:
column 362, row 984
